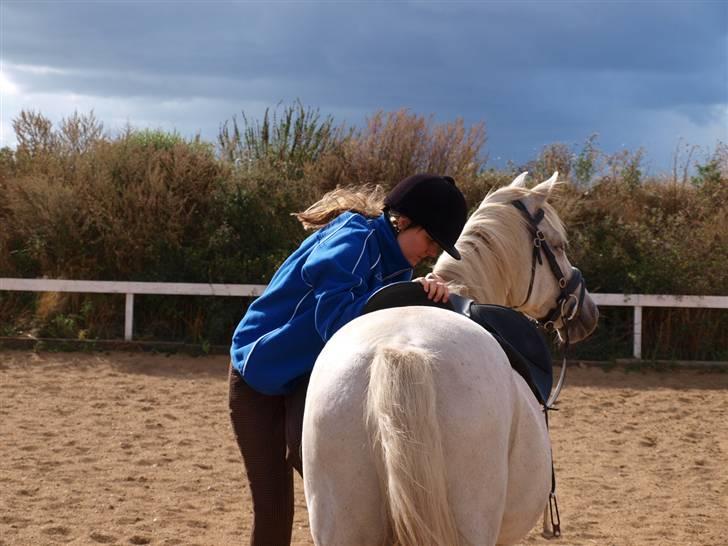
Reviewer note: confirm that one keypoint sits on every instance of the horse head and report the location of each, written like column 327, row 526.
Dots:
column 514, row 254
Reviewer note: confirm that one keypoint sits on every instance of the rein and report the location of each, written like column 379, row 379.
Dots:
column 571, row 294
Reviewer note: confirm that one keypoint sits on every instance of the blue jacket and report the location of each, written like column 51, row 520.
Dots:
column 320, row 287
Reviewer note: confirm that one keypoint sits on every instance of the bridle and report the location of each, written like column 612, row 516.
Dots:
column 568, row 288
column 572, row 290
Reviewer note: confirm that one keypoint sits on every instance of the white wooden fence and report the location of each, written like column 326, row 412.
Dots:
column 636, row 301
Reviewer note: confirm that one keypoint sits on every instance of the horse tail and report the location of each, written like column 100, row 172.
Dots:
column 402, row 417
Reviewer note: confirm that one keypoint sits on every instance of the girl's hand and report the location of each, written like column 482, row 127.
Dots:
column 435, row 286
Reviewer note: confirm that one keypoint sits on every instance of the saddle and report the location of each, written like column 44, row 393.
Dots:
column 519, row 337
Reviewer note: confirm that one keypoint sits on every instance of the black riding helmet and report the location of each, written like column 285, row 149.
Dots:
column 433, row 202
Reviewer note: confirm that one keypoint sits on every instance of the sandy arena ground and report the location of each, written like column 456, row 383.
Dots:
column 120, row 448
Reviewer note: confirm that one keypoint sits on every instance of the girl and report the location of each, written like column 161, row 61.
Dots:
column 361, row 244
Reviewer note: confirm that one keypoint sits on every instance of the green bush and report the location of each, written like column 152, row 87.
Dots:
column 152, row 206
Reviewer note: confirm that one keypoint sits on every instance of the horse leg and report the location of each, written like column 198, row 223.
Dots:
column 339, row 473
column 529, row 481
column 498, row 452
column 475, row 406
column 478, row 481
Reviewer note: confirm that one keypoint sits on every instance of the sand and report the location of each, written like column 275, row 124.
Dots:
column 133, row 448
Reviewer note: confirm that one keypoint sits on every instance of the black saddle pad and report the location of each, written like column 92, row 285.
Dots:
column 522, row 342
column 519, row 337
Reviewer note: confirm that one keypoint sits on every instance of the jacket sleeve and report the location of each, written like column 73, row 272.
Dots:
column 339, row 273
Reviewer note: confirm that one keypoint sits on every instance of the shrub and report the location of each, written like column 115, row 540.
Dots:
column 394, row 145
column 153, row 206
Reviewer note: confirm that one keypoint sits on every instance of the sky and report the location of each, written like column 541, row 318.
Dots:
column 650, row 74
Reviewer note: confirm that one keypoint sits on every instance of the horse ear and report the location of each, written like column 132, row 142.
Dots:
column 543, row 190
column 519, row 181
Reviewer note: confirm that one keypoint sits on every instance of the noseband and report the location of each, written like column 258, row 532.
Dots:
column 568, row 288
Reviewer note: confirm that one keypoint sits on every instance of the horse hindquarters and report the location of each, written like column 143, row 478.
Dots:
column 476, row 406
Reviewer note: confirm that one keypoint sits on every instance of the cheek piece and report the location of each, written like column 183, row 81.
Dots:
column 571, row 292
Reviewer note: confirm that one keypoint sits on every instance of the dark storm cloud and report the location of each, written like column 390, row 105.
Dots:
column 535, row 72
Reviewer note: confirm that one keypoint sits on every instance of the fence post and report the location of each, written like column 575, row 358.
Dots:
column 129, row 317
column 637, row 332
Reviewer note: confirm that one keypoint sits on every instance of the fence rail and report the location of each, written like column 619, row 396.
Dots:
column 636, row 301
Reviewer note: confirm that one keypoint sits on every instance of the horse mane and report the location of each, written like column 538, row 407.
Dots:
column 490, row 249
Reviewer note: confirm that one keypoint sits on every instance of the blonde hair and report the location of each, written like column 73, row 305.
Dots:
column 365, row 200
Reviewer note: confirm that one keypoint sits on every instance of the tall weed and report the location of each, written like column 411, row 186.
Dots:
column 283, row 144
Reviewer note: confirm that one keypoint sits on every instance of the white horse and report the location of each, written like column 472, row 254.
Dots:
column 416, row 429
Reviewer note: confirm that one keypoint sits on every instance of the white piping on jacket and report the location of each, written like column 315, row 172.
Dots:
column 322, row 241
column 376, row 262
column 351, row 290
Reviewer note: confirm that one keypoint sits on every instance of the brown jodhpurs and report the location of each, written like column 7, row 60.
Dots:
column 268, row 431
